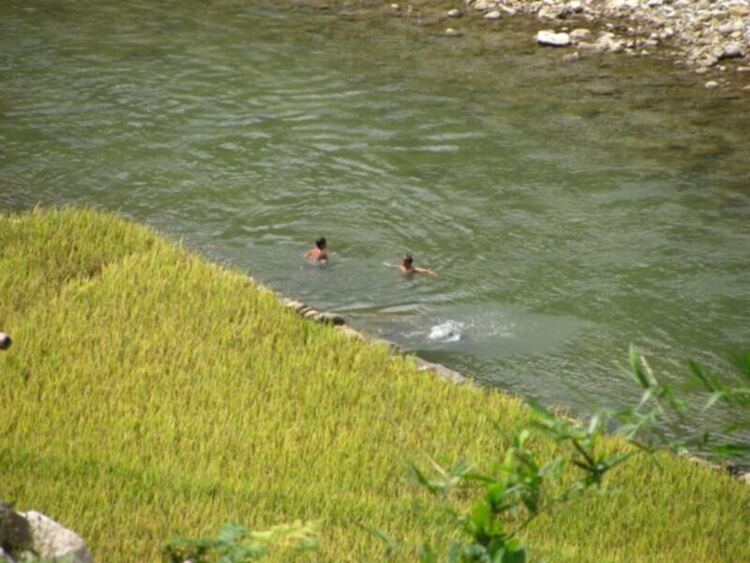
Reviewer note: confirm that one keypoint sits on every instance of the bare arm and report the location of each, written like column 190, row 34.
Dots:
column 425, row 271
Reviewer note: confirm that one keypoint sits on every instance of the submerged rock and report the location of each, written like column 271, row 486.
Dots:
column 711, row 84
column 549, row 38
column 493, row 15
column 450, row 32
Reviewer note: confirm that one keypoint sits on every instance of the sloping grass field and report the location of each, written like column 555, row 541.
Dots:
column 150, row 393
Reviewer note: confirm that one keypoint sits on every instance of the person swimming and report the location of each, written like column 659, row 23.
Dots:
column 408, row 268
column 318, row 254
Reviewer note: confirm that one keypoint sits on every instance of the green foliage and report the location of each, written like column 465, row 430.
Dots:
column 658, row 420
column 518, row 490
column 235, row 544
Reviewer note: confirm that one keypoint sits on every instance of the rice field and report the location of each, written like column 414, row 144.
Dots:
column 150, row 393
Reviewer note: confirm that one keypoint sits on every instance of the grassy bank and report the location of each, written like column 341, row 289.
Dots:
column 150, row 393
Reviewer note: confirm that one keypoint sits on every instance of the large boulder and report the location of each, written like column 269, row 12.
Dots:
column 53, row 542
column 15, row 532
column 549, row 38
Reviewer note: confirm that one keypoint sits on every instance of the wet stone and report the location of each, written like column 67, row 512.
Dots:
column 549, row 38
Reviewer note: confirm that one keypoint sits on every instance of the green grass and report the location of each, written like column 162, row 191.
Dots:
column 150, row 393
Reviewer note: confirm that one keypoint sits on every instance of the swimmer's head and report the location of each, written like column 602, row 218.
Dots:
column 321, row 243
column 407, row 261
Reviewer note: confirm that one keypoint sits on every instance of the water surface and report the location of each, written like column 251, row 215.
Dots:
column 570, row 209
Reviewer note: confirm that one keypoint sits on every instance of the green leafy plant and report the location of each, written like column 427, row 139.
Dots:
column 657, row 420
column 235, row 544
column 521, row 487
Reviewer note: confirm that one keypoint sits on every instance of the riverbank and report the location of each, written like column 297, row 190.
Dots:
column 149, row 393
column 710, row 38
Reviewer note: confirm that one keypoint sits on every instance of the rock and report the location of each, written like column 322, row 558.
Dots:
column 575, row 7
column 743, row 69
column 507, row 9
column 667, row 33
column 454, row 13
column 331, row 318
column 482, row 5
column 730, row 27
column 579, row 34
column 15, row 532
column 551, row 39
column 740, row 11
column 52, row 541
column 552, row 12
column 310, row 314
column 746, row 88
column 5, row 341
column 571, row 57
column 493, row 15
column 732, row 51
column 711, row 84
column 395, row 7
column 450, row 32
column 701, row 70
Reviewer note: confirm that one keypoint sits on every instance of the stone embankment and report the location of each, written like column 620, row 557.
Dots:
column 707, row 36
column 339, row 322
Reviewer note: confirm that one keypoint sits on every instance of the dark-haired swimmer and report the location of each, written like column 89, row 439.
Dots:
column 408, row 268
column 318, row 254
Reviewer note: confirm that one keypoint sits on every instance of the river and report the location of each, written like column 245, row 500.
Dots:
column 570, row 209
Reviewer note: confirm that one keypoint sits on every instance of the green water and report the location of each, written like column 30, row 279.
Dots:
column 570, row 209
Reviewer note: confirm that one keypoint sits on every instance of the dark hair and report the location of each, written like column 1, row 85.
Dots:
column 321, row 242
column 408, row 259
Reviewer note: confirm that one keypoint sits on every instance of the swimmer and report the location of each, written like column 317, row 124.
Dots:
column 318, row 254
column 408, row 268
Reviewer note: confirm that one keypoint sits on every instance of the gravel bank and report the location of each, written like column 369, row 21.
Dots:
column 710, row 37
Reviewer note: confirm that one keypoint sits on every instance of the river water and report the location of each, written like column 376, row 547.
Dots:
column 570, row 209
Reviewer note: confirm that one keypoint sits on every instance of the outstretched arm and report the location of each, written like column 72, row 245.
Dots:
column 425, row 271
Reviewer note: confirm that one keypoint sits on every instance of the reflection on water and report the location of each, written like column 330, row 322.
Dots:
column 569, row 209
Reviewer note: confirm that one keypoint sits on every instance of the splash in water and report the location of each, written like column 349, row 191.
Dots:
column 449, row 331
